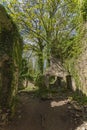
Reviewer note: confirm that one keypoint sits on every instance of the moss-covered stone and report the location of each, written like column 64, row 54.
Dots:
column 10, row 60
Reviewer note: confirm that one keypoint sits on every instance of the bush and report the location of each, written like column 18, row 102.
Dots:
column 39, row 80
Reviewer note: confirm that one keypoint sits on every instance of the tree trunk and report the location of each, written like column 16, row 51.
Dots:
column 40, row 63
column 69, row 82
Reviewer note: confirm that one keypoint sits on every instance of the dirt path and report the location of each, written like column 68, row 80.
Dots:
column 36, row 114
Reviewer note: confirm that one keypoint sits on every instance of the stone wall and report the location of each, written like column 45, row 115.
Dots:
column 81, row 67
column 81, row 64
column 10, row 60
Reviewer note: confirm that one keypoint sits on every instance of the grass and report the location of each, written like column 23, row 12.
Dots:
column 29, row 89
column 80, row 98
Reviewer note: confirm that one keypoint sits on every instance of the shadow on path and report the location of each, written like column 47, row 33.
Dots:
column 36, row 114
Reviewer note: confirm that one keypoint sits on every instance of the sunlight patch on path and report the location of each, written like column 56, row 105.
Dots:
column 82, row 127
column 59, row 103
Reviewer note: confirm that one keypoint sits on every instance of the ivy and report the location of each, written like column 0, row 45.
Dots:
column 11, row 45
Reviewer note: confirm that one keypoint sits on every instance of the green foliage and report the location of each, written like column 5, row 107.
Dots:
column 10, row 60
column 38, row 79
column 70, row 65
column 84, row 10
column 80, row 97
column 24, row 69
column 48, row 25
column 74, row 47
column 51, row 28
column 52, row 79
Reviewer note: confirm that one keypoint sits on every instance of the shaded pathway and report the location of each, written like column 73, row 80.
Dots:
column 36, row 114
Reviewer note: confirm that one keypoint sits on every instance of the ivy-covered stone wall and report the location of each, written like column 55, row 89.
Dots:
column 10, row 60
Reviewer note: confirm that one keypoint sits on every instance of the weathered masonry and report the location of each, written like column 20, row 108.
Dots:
column 10, row 60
